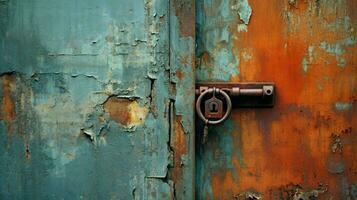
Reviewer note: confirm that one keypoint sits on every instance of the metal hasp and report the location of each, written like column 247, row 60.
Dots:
column 243, row 94
column 238, row 94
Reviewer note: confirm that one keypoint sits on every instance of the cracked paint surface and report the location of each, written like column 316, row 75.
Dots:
column 86, row 98
column 182, row 59
column 304, row 147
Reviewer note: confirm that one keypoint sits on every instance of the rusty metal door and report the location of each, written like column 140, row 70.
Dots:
column 305, row 147
column 97, row 99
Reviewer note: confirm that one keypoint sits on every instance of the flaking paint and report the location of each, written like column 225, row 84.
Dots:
column 182, row 61
column 67, row 70
column 215, row 43
column 243, row 10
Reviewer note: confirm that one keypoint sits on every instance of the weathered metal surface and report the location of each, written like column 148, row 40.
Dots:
column 305, row 147
column 87, row 98
column 182, row 62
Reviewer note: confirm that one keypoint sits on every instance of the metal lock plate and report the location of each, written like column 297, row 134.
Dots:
column 213, row 108
column 246, row 94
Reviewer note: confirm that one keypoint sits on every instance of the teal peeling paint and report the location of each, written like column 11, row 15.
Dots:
column 244, row 10
column 66, row 59
column 342, row 23
column 306, row 61
column 332, row 48
column 342, row 106
column 182, row 50
column 225, row 70
column 215, row 58
column 305, row 65
column 339, row 49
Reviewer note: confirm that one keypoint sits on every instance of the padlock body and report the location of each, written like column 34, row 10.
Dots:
column 213, row 108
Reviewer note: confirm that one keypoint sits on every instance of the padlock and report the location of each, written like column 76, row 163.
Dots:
column 213, row 108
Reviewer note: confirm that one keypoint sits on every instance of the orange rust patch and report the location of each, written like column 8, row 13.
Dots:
column 179, row 146
column 179, row 74
column 205, row 59
column 124, row 111
column 291, row 143
column 185, row 15
column 352, row 5
column 179, row 139
column 274, row 57
column 8, row 105
column 295, row 148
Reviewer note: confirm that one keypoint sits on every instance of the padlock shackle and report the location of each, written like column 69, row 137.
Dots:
column 208, row 92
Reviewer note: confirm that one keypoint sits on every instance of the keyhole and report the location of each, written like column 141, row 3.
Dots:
column 213, row 107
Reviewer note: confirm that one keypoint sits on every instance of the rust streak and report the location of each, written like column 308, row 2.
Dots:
column 180, row 74
column 8, row 105
column 179, row 147
column 184, row 12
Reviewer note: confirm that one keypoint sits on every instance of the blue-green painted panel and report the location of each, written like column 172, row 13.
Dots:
column 85, row 99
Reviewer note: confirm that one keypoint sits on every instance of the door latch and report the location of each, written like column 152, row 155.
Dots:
column 220, row 98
